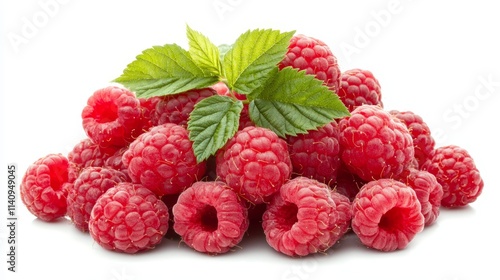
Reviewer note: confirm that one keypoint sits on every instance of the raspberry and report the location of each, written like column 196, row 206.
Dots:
column 128, row 218
column 112, row 117
column 210, row 217
column 420, row 133
column 115, row 162
column 456, row 171
column 359, row 87
column 255, row 163
column 315, row 57
column 85, row 154
column 386, row 215
column 148, row 108
column 88, row 187
column 344, row 209
column 176, row 108
column 316, row 153
column 302, row 218
column 429, row 192
column 347, row 183
column 44, row 187
column 374, row 144
column 162, row 160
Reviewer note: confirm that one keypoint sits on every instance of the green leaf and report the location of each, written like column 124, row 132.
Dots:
column 293, row 102
column 163, row 70
column 223, row 49
column 204, row 53
column 212, row 122
column 253, row 56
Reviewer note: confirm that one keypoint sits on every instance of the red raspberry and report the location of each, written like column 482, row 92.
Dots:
column 429, row 192
column 88, row 187
column 162, row 160
column 254, row 163
column 316, row 154
column 344, row 209
column 44, row 187
column 348, row 183
column 115, row 162
column 359, row 87
column 315, row 57
column 85, row 154
column 148, row 109
column 456, row 171
column 386, row 215
column 112, row 117
column 176, row 108
column 302, row 218
column 128, row 218
column 420, row 133
column 374, row 144
column 210, row 217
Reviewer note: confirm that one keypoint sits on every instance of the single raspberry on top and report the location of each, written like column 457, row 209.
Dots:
column 429, row 192
column 87, row 188
column 386, row 215
column 456, row 171
column 315, row 57
column 420, row 132
column 359, row 87
column 112, row 117
column 162, row 160
column 374, row 144
column 302, row 218
column 255, row 163
column 128, row 218
column 44, row 187
column 210, row 217
column 176, row 108
column 316, row 153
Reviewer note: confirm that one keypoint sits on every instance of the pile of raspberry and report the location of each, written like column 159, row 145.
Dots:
column 135, row 180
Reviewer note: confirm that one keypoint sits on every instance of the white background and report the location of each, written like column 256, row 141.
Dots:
column 440, row 60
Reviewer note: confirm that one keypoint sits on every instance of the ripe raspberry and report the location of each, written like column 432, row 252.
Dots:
column 44, row 187
column 148, row 109
column 347, row 183
column 386, row 215
column 420, row 133
column 315, row 57
column 316, row 153
column 255, row 163
column 302, row 218
column 88, row 187
column 115, row 162
column 429, row 192
column 456, row 171
column 359, row 87
column 344, row 208
column 210, row 217
column 128, row 218
column 112, row 117
column 374, row 144
column 162, row 160
column 85, row 154
column 176, row 108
